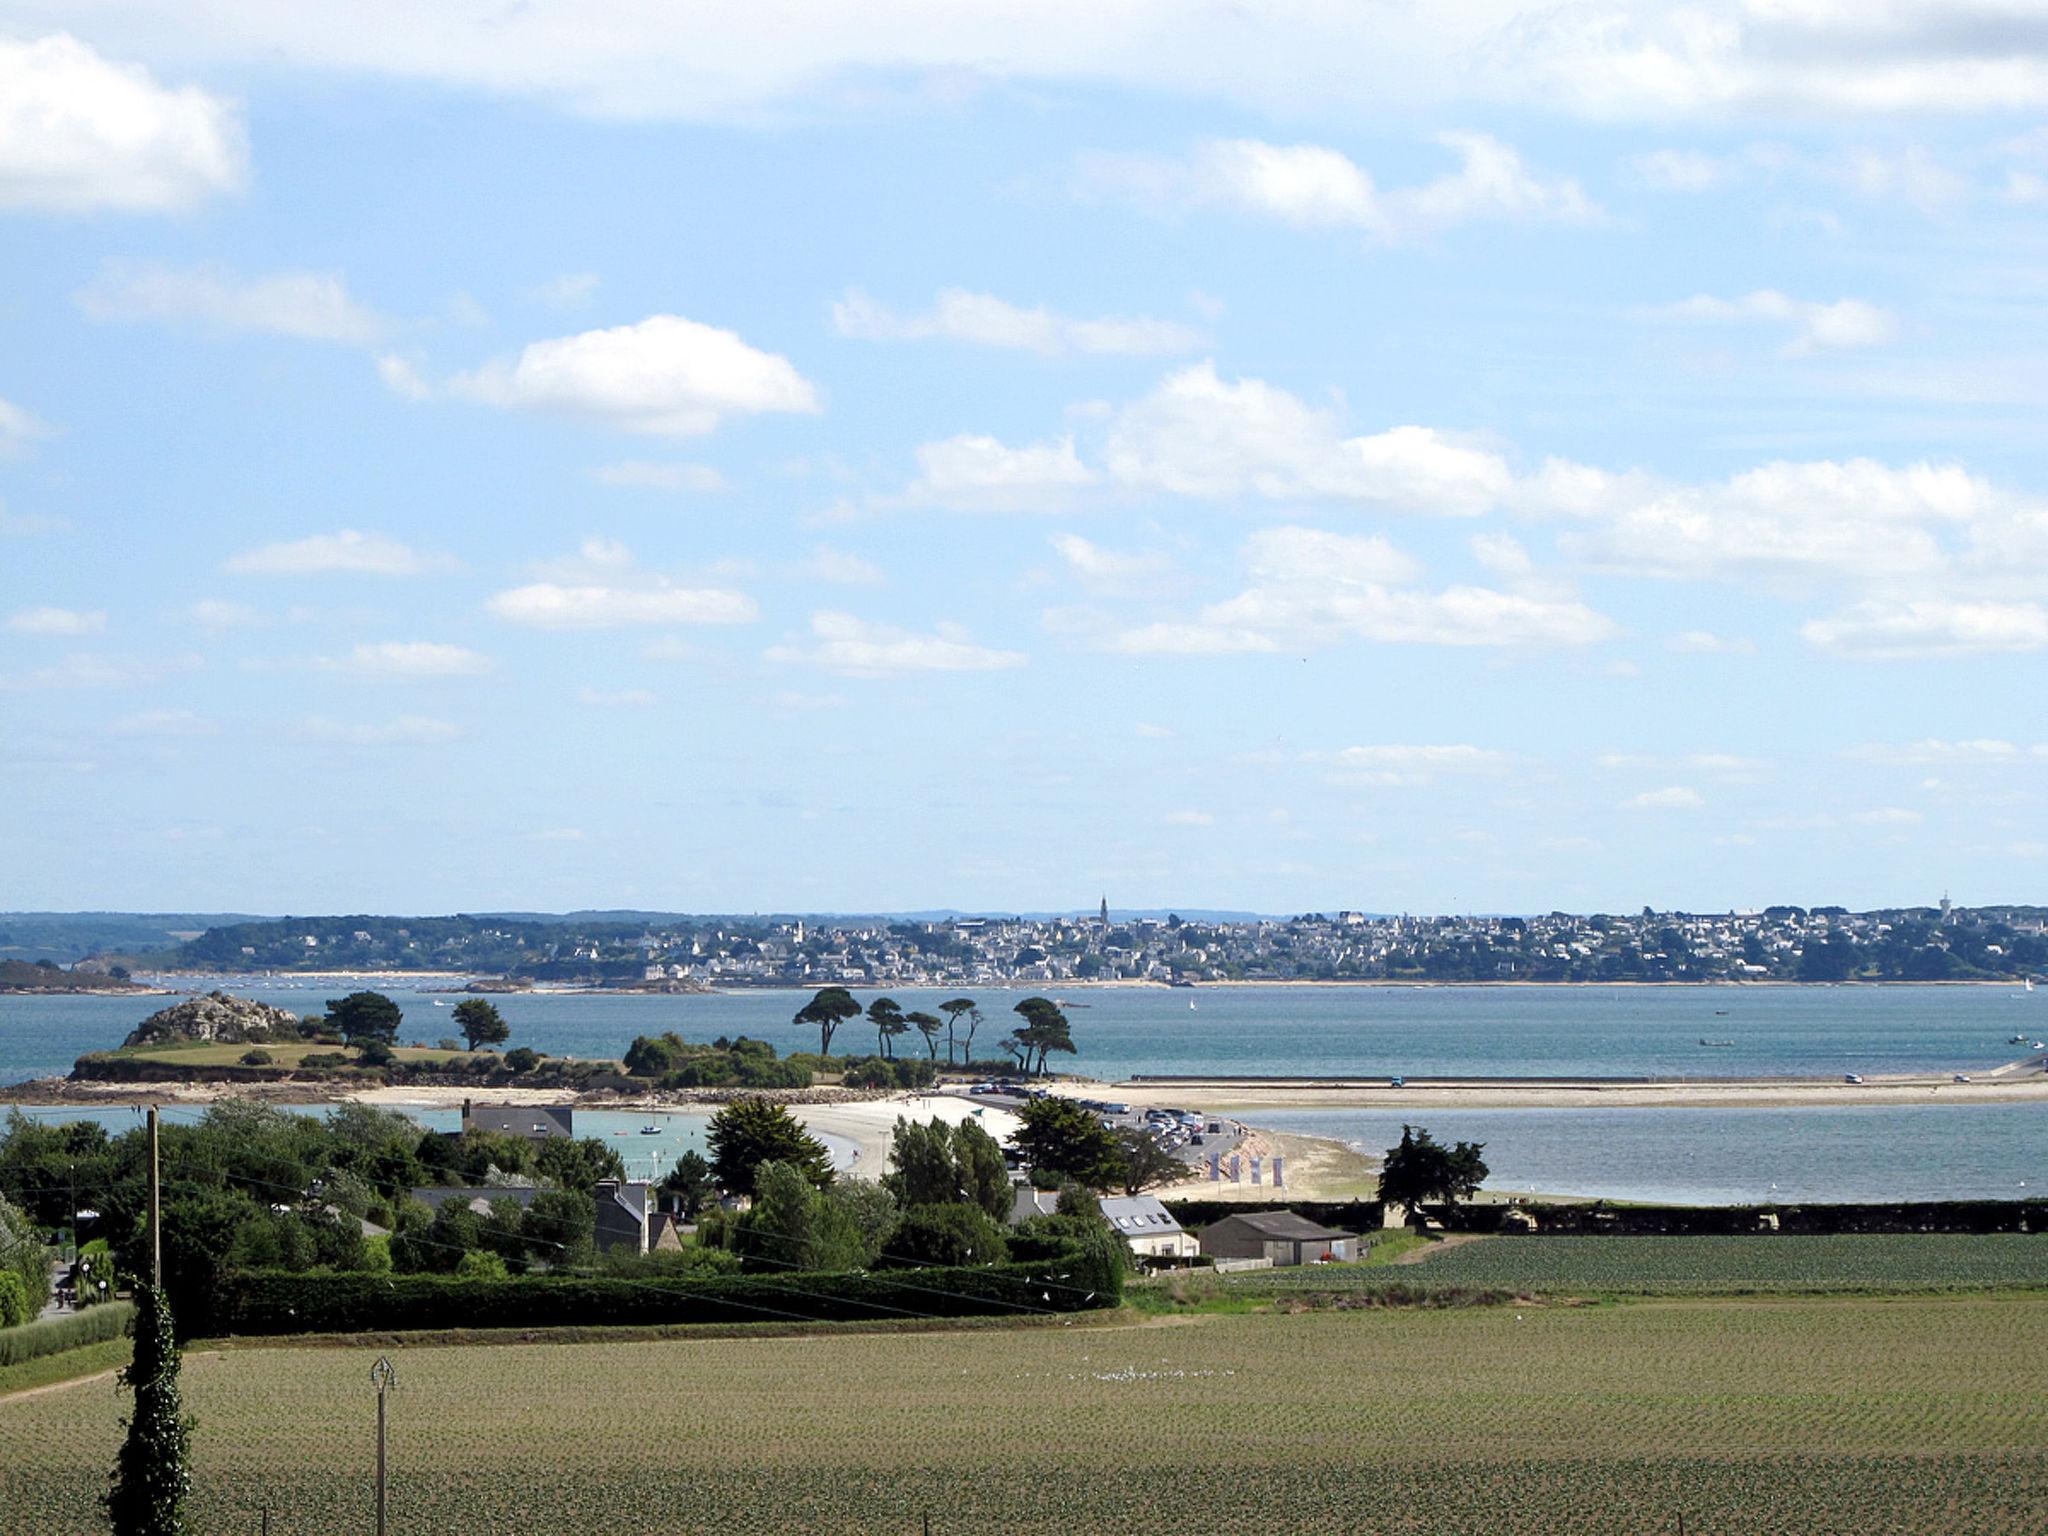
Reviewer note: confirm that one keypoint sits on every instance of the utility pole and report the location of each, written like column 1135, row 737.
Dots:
column 383, row 1376
column 156, row 1212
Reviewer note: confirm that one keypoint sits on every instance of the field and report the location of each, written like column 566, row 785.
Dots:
column 283, row 1053
column 1764, row 1415
column 1679, row 1266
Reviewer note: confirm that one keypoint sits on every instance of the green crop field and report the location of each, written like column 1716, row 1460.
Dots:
column 1766, row 1415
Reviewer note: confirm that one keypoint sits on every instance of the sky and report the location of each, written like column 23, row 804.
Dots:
column 1273, row 456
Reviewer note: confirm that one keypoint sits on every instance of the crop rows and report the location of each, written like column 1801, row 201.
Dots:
column 1779, row 1415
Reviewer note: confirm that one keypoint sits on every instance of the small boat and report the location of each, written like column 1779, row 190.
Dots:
column 2017, row 1040
column 1191, row 1005
column 1720, row 1013
column 1718, row 1045
column 650, row 1130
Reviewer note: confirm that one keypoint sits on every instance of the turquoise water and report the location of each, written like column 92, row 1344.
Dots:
column 1703, row 1155
column 1285, row 1031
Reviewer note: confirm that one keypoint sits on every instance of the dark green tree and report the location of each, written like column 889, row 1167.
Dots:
column 1142, row 1163
column 984, row 1176
column 1045, row 1029
column 522, row 1058
column 1062, row 1140
column 886, row 1014
column 955, row 1233
column 151, row 1480
column 364, row 1016
column 481, row 1023
column 955, row 1009
column 751, row 1131
column 828, row 1009
column 691, row 1181
column 1421, row 1170
column 578, row 1164
column 922, row 1167
column 928, row 1025
column 654, row 1055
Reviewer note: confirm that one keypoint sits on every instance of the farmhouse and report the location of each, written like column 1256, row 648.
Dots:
column 1147, row 1227
column 1280, row 1236
column 535, row 1122
column 627, row 1218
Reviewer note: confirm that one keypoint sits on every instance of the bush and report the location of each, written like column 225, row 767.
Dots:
column 376, row 1053
column 258, row 1058
column 73, row 1330
column 14, row 1310
column 954, row 1233
column 321, row 1060
column 522, row 1059
column 266, row 1302
column 882, row 1072
column 479, row 1265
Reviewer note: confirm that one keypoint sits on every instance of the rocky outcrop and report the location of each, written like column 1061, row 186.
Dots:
column 216, row 1016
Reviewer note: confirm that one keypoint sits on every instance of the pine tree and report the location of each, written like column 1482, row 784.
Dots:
column 151, row 1478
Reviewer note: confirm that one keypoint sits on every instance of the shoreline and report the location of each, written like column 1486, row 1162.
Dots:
column 737, row 988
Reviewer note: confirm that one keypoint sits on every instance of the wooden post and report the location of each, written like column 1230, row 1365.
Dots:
column 383, row 1376
column 156, row 1211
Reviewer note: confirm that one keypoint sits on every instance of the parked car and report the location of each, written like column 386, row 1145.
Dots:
column 1397, row 1082
column 1962, row 1077
column 1851, row 1077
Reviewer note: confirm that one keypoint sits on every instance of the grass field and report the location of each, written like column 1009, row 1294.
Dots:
column 1680, row 1266
column 283, row 1053
column 1904, row 1415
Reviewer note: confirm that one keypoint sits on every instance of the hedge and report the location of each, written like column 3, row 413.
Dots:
column 54, row 1335
column 1962, row 1216
column 277, row 1302
column 1345, row 1215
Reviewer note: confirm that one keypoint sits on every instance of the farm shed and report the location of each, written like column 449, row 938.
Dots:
column 1280, row 1236
column 534, row 1122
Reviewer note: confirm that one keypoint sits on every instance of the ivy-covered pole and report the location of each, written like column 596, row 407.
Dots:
column 151, row 1479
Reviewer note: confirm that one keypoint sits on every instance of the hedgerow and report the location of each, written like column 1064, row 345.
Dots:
column 54, row 1335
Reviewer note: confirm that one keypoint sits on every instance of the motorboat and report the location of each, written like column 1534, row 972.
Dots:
column 650, row 1130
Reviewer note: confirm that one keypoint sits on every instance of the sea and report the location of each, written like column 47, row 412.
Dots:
column 1675, row 1154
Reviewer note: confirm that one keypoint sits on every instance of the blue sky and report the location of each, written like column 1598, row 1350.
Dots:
column 1277, row 457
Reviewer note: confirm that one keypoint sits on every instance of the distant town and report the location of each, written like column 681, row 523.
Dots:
column 1939, row 942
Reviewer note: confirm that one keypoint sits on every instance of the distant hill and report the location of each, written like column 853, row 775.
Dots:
column 26, row 976
column 68, row 936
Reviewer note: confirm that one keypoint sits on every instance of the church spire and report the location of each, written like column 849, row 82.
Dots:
column 1105, row 911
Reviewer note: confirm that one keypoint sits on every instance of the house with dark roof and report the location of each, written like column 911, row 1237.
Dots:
column 535, row 1122
column 1148, row 1228
column 1278, row 1236
column 627, row 1218
column 479, row 1198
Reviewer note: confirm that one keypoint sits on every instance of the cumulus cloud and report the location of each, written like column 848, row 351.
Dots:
column 1396, row 766
column 349, row 551
column 1677, row 797
column 19, row 429
column 1200, row 435
column 1815, row 326
column 82, row 669
column 600, row 587
column 1312, row 186
column 985, row 320
column 1704, row 642
column 1190, row 819
column 1933, row 752
column 664, row 376
column 310, row 306
column 1107, row 570
column 406, row 660
column 1930, row 628
column 1888, row 816
column 81, row 133
column 974, row 473
column 405, row 731
column 840, row 567
column 1310, row 588
column 650, row 475
column 57, row 621
column 858, row 648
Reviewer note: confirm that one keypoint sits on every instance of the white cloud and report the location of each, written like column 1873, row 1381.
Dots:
column 972, row 473
column 405, row 731
column 351, row 552
column 86, row 670
column 1683, row 170
column 18, row 429
column 1934, row 752
column 1395, row 766
column 1150, row 732
column 985, row 320
column 1930, row 628
column 1726, row 767
column 1816, row 326
column 1105, row 570
column 217, row 613
column 551, row 605
column 402, row 660
column 311, row 306
column 1912, row 176
column 745, row 62
column 1888, row 816
column 1198, row 435
column 665, row 376
column 1704, row 642
column 57, row 621
column 166, row 723
column 403, row 378
column 1312, row 186
column 840, row 567
column 572, row 290
column 1677, row 797
column 1189, row 819
column 81, row 133
column 619, row 698
column 1311, row 588
column 649, row 475
column 857, row 648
